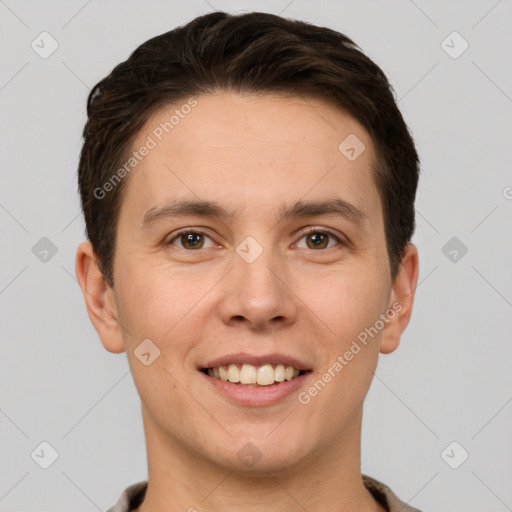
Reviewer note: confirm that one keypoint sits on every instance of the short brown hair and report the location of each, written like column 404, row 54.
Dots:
column 248, row 53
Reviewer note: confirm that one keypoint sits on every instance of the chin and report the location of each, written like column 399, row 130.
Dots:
column 262, row 450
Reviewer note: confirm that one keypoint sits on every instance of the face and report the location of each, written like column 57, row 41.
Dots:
column 247, row 238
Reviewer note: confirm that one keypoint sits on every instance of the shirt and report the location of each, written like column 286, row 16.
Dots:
column 133, row 496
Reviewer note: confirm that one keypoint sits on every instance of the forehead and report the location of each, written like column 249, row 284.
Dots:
column 242, row 148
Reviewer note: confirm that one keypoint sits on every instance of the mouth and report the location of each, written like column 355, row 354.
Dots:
column 251, row 380
column 249, row 375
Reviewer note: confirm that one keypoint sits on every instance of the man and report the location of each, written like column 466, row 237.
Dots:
column 248, row 186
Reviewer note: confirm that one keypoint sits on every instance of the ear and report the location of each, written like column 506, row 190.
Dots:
column 401, row 300
column 99, row 298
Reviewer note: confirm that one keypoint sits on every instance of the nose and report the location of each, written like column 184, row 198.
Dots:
column 257, row 294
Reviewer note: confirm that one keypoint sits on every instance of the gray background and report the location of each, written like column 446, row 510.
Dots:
column 449, row 381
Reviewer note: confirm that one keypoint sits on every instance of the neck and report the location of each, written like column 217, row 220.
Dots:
column 328, row 480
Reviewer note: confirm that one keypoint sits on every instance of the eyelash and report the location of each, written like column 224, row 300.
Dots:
column 309, row 231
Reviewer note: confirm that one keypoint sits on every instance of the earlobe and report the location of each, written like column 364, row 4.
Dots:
column 99, row 299
column 401, row 300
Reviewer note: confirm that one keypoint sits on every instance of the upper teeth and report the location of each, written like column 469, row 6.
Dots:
column 249, row 374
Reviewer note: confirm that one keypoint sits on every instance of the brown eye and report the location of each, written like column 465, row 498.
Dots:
column 190, row 240
column 316, row 239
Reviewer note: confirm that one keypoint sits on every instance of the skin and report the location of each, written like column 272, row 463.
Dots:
column 252, row 154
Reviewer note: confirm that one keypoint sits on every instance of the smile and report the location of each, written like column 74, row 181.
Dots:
column 253, row 376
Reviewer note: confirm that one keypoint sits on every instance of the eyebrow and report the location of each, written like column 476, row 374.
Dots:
column 300, row 209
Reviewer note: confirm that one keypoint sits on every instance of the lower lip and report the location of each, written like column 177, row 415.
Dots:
column 257, row 395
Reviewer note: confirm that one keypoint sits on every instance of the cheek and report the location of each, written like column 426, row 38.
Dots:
column 352, row 351
column 349, row 302
column 153, row 303
column 358, row 314
column 355, row 309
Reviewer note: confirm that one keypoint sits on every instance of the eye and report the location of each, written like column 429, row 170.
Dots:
column 190, row 239
column 319, row 239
